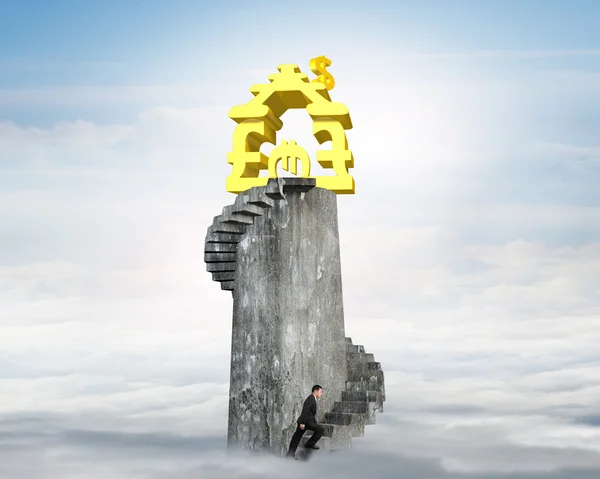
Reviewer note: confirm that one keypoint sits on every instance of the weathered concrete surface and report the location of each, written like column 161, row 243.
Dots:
column 288, row 320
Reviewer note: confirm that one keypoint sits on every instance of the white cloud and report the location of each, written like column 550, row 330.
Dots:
column 109, row 323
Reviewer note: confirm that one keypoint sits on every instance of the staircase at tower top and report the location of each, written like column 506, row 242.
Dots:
column 228, row 228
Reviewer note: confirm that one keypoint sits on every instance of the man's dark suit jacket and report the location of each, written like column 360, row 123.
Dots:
column 309, row 412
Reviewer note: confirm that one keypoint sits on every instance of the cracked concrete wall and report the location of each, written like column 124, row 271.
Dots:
column 288, row 319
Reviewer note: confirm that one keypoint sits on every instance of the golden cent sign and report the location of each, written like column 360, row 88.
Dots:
column 259, row 120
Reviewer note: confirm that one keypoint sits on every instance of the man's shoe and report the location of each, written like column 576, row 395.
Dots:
column 314, row 446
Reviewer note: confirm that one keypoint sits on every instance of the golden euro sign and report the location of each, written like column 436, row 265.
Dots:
column 259, row 120
column 288, row 154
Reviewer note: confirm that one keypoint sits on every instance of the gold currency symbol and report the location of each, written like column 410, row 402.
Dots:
column 289, row 154
column 259, row 120
column 319, row 65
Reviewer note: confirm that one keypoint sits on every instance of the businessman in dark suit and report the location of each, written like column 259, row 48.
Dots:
column 308, row 420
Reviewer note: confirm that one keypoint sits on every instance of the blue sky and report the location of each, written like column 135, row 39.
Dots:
column 477, row 163
column 148, row 43
column 148, row 31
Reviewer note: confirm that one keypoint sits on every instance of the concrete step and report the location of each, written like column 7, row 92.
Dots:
column 340, row 437
column 242, row 207
column 365, row 371
column 219, row 227
column 368, row 365
column 220, row 267
column 276, row 188
column 228, row 285
column 228, row 216
column 353, row 357
column 371, row 408
column 224, row 276
column 355, row 348
column 351, row 406
column 220, row 247
column 345, row 418
column 212, row 237
column 329, row 429
column 256, row 196
column 353, row 423
column 364, row 386
column 219, row 257
column 338, row 418
column 364, row 396
column 297, row 184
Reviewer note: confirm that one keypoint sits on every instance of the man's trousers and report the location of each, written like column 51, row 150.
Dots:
column 317, row 433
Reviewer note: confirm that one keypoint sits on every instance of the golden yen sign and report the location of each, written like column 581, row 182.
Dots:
column 259, row 120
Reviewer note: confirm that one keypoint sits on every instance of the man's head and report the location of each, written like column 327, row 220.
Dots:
column 317, row 390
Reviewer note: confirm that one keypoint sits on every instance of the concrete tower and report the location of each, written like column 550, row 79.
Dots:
column 277, row 249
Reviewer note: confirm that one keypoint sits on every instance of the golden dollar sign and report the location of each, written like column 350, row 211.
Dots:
column 319, row 65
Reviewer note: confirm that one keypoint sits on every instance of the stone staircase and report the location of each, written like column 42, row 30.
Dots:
column 362, row 399
column 227, row 229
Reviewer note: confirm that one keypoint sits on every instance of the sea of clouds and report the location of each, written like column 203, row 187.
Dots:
column 471, row 266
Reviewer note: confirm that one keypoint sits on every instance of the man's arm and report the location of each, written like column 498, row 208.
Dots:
column 306, row 409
